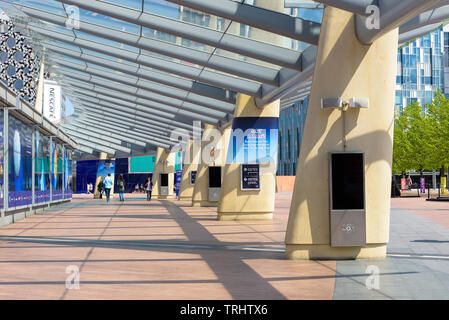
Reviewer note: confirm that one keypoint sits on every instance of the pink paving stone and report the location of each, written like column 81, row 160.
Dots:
column 436, row 211
column 30, row 270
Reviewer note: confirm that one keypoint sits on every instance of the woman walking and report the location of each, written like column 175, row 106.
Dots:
column 121, row 187
column 100, row 187
column 149, row 188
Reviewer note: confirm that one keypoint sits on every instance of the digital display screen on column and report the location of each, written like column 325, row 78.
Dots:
column 164, row 179
column 348, row 186
column 214, row 177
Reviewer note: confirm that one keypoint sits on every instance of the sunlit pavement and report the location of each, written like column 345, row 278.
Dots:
column 169, row 250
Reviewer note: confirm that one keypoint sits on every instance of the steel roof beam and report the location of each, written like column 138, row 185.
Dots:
column 211, row 83
column 232, row 66
column 393, row 13
column 125, row 116
column 436, row 15
column 355, row 6
column 416, row 33
column 141, row 130
column 197, row 104
column 110, row 133
column 95, row 147
column 142, row 97
column 106, row 102
column 140, row 124
column 111, row 127
column 247, row 47
column 290, row 81
column 116, row 100
column 103, row 142
column 264, row 19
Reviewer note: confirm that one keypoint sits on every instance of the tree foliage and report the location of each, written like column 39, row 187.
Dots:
column 421, row 136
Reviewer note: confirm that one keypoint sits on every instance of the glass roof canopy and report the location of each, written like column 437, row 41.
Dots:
column 169, row 63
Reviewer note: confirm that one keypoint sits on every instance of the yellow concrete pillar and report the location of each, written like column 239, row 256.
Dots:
column 236, row 204
column 165, row 164
column 191, row 161
column 345, row 68
column 213, row 153
column 103, row 156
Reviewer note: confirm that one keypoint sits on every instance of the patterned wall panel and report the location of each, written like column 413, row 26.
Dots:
column 19, row 65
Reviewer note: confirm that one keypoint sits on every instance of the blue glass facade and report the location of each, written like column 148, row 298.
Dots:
column 420, row 71
column 291, row 128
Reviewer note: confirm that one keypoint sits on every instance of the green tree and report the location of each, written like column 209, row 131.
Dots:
column 438, row 115
column 412, row 140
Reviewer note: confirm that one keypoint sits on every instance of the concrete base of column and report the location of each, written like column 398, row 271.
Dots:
column 326, row 252
column 228, row 216
column 186, row 198
column 204, row 203
column 159, row 197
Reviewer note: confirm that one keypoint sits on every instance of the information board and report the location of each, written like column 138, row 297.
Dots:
column 250, row 176
column 193, row 176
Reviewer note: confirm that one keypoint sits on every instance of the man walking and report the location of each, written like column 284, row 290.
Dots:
column 108, row 183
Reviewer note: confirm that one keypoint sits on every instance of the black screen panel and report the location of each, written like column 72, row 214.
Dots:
column 164, row 179
column 214, row 177
column 347, row 181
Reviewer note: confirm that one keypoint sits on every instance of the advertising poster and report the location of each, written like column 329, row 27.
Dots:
column 105, row 167
column 2, row 181
column 178, row 177
column 254, row 140
column 52, row 101
column 67, row 174
column 42, row 168
column 56, row 171
column 20, row 163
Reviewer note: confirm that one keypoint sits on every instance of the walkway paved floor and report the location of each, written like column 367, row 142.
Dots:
column 169, row 250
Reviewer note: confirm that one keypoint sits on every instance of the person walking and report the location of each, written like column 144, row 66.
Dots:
column 409, row 183
column 149, row 188
column 100, row 187
column 121, row 187
column 108, row 183
column 88, row 188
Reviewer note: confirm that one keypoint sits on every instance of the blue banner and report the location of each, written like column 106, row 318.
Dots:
column 57, row 171
column 20, row 163
column 2, row 161
column 42, row 168
column 105, row 167
column 254, row 140
column 178, row 177
column 67, row 174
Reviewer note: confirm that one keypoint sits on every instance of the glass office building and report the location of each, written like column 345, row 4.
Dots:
column 421, row 69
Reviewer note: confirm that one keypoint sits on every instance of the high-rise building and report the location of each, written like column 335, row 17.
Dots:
column 423, row 69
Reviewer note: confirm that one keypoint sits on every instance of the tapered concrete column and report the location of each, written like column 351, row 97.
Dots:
column 345, row 68
column 213, row 153
column 191, row 161
column 103, row 156
column 236, row 204
column 165, row 163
